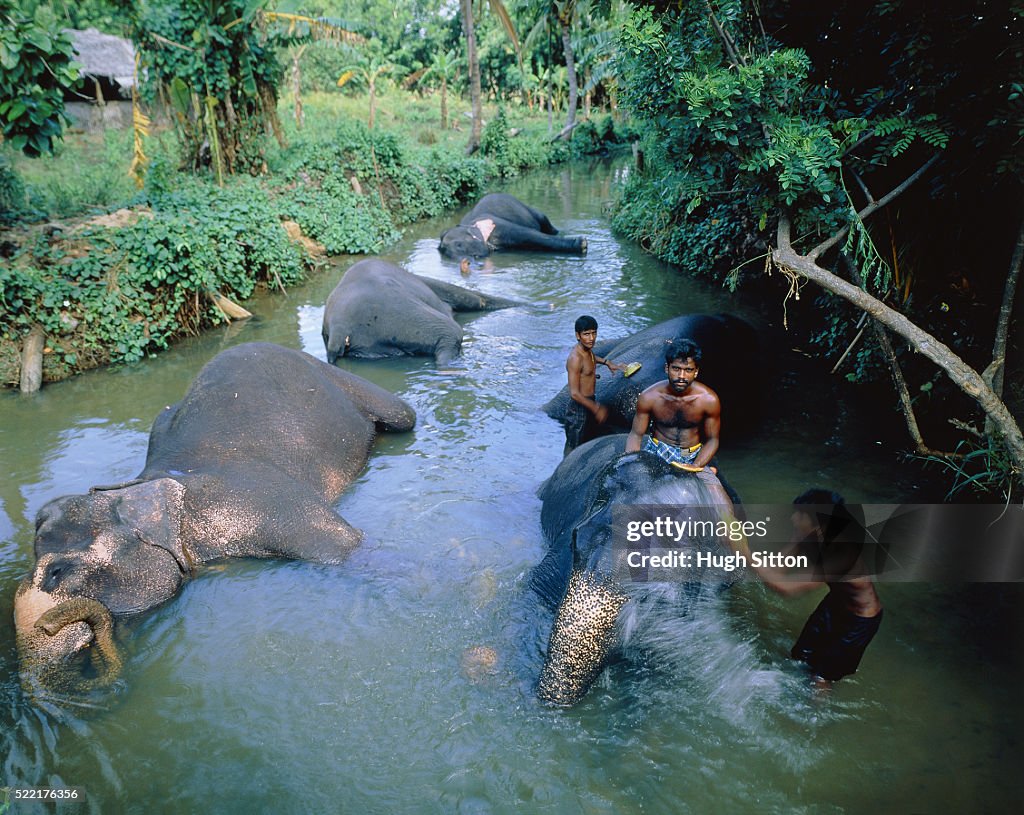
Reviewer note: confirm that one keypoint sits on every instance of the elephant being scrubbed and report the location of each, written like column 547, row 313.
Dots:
column 501, row 221
column 248, row 464
column 577, row 579
column 380, row 310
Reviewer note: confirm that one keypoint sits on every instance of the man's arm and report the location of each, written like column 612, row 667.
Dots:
column 614, row 367
column 641, row 420
column 773, row 578
column 710, row 431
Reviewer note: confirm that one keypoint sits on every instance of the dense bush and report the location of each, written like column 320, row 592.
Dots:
column 351, row 192
column 119, row 293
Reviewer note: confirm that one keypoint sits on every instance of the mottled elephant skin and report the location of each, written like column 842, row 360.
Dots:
column 730, row 367
column 380, row 310
column 247, row 464
column 576, row 580
column 501, row 222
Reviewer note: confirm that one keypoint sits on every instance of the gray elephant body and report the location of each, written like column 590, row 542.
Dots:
column 577, row 579
column 248, row 464
column 501, row 221
column 729, row 367
column 380, row 310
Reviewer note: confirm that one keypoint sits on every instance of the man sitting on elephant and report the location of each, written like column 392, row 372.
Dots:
column 684, row 416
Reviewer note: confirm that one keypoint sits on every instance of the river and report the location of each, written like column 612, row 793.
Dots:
column 285, row 686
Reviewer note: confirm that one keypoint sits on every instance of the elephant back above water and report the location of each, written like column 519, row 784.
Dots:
column 729, row 366
column 248, row 464
column 502, row 222
column 380, row 310
column 577, row 580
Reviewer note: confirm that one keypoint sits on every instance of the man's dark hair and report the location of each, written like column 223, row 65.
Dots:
column 586, row 323
column 684, row 349
column 819, row 496
column 833, row 523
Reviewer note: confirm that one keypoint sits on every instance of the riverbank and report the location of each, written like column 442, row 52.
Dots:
column 173, row 259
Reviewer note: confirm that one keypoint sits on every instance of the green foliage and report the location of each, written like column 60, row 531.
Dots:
column 12, row 193
column 36, row 67
column 217, row 66
column 134, row 289
column 396, row 183
column 601, row 135
column 90, row 178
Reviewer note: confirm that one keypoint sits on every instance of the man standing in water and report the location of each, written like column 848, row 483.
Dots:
column 684, row 416
column 837, row 633
column 584, row 410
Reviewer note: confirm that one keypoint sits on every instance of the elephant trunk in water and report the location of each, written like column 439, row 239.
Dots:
column 582, row 637
column 98, row 618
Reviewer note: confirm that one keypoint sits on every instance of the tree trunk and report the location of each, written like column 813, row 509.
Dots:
column 474, row 77
column 570, row 72
column 444, row 103
column 965, row 377
column 1005, row 312
column 373, row 101
column 300, row 117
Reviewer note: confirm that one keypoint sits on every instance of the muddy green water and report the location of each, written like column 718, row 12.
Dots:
column 288, row 687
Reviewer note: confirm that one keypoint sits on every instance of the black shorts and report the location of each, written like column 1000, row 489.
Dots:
column 833, row 640
column 578, row 421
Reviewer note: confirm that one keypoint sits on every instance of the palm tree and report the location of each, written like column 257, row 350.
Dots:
column 443, row 69
column 473, row 59
column 369, row 69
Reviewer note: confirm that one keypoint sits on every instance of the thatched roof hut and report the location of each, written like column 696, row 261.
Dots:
column 107, row 60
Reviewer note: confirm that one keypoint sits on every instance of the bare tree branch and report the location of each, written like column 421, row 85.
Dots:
column 824, row 246
column 965, row 377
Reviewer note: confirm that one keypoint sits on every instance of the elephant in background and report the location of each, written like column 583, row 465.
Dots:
column 247, row 464
column 380, row 310
column 576, row 580
column 501, row 221
column 729, row 367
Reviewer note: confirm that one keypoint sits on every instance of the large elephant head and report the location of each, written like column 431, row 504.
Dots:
column 113, row 551
column 463, row 242
column 578, row 576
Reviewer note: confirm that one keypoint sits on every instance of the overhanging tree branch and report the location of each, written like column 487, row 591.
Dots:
column 962, row 375
column 824, row 246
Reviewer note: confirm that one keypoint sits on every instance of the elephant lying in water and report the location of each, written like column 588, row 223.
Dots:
column 729, row 367
column 247, row 464
column 380, row 310
column 501, row 221
column 577, row 577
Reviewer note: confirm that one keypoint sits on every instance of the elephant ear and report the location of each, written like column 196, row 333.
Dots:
column 153, row 511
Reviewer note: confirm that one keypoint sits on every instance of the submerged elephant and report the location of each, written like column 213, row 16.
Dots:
column 500, row 221
column 730, row 365
column 380, row 310
column 579, row 578
column 247, row 464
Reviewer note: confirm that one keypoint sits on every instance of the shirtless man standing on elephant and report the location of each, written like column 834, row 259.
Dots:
column 683, row 416
column 584, row 410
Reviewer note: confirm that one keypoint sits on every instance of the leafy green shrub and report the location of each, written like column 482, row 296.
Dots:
column 131, row 290
column 397, row 184
column 509, row 155
column 12, row 193
column 36, row 66
column 600, row 135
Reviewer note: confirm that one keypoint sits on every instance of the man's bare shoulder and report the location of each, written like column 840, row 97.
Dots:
column 575, row 359
column 705, row 394
column 651, row 393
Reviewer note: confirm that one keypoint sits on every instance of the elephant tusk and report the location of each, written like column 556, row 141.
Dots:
column 98, row 618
